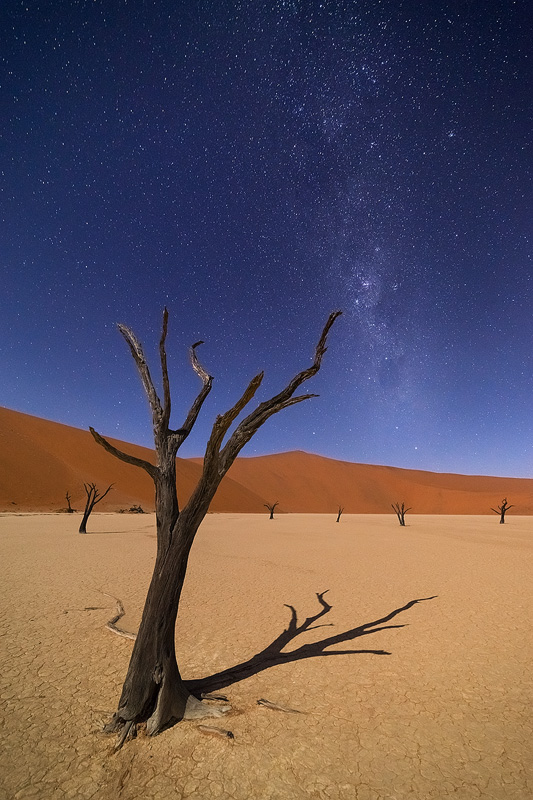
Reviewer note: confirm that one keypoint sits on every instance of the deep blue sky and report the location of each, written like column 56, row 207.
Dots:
column 255, row 165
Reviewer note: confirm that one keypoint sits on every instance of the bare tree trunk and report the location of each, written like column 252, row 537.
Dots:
column 339, row 514
column 271, row 507
column 153, row 690
column 93, row 497
column 502, row 510
column 401, row 511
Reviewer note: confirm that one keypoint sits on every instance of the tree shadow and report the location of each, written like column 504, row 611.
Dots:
column 272, row 654
column 147, row 527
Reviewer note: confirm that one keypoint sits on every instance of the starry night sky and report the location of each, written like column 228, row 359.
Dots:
column 254, row 166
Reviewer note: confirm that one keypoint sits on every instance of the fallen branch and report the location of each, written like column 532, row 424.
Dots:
column 209, row 731
column 276, row 707
column 111, row 625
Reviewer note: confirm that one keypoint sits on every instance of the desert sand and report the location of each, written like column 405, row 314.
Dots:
column 40, row 460
column 416, row 683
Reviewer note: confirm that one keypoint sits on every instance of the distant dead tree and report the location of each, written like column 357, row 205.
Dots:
column 401, row 511
column 271, row 507
column 502, row 509
column 68, row 497
column 339, row 513
column 93, row 497
column 153, row 691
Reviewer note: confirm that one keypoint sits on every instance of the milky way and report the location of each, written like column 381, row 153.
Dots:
column 254, row 166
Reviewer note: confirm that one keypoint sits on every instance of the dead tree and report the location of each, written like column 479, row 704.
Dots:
column 339, row 513
column 401, row 511
column 502, row 509
column 68, row 497
column 271, row 507
column 154, row 691
column 93, row 497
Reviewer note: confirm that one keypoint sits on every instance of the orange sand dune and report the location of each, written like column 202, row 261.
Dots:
column 40, row 460
column 303, row 482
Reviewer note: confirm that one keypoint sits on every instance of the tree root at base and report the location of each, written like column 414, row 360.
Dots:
column 127, row 729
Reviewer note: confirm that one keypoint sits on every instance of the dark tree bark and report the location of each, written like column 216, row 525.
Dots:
column 339, row 513
column 401, row 511
column 68, row 497
column 271, row 507
column 153, row 691
column 93, row 497
column 502, row 509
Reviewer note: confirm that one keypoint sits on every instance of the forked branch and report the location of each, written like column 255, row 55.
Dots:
column 223, row 421
column 93, row 494
column 167, row 441
column 505, row 506
column 271, row 507
column 93, row 497
column 207, row 382
column 247, row 428
column 401, row 511
column 218, row 459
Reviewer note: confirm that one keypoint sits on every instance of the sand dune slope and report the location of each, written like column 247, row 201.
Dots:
column 303, row 482
column 40, row 460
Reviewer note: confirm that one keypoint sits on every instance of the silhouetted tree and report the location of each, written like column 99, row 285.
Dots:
column 502, row 509
column 93, row 497
column 339, row 513
column 271, row 507
column 401, row 511
column 153, row 691
column 70, row 510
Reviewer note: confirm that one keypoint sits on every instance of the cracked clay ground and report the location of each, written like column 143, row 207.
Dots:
column 427, row 700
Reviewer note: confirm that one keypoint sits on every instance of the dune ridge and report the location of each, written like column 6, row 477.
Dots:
column 41, row 459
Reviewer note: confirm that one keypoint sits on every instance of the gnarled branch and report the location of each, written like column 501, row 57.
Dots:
column 223, row 421
column 217, row 461
column 247, row 428
column 129, row 459
column 179, row 436
column 93, row 494
column 164, row 371
column 142, row 367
